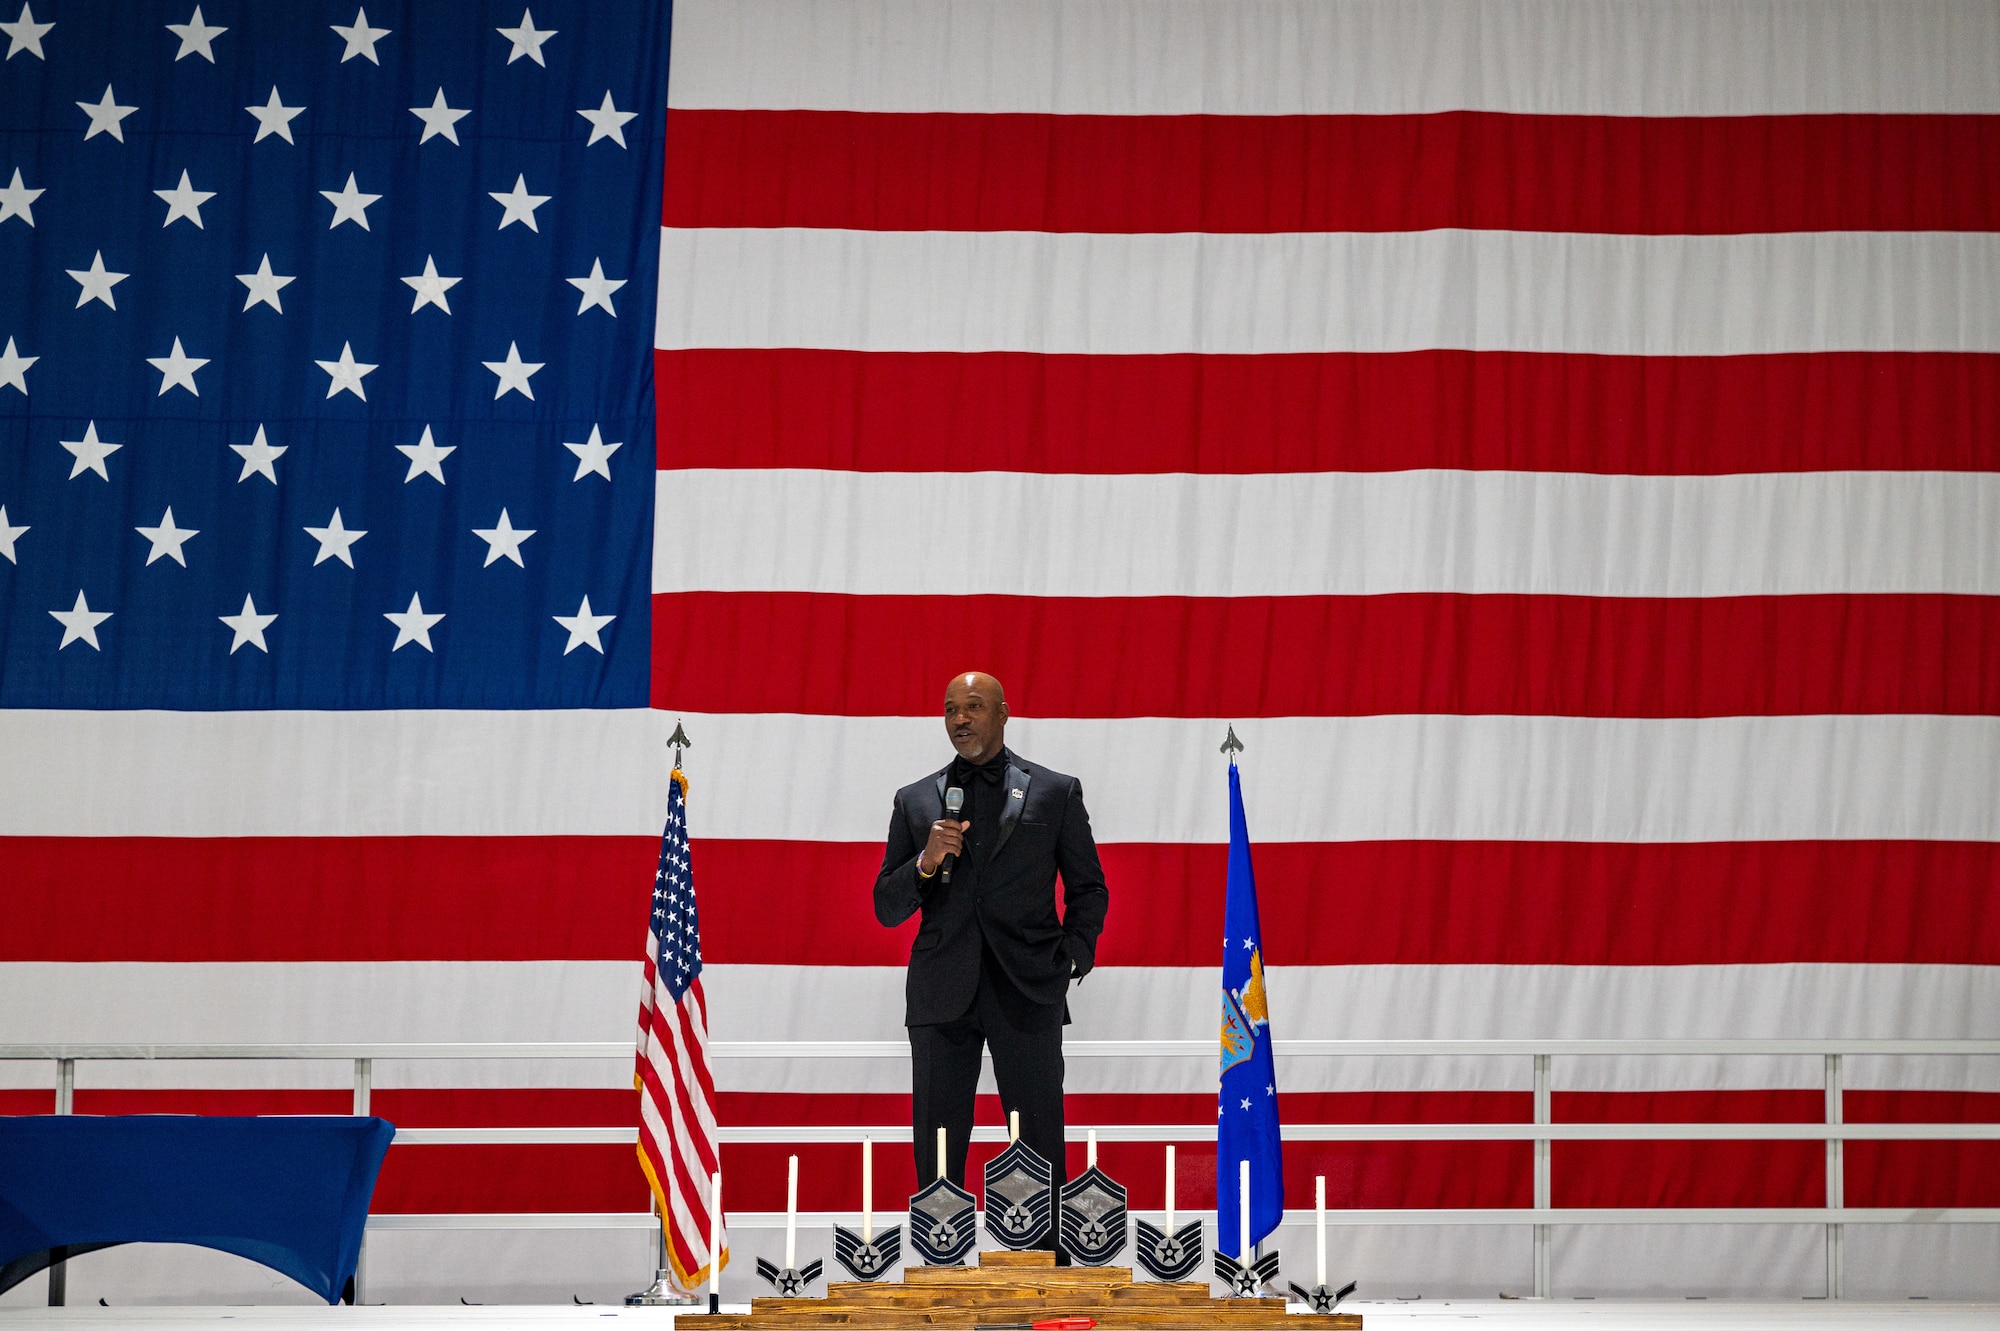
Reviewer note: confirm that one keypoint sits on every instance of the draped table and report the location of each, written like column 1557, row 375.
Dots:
column 291, row 1193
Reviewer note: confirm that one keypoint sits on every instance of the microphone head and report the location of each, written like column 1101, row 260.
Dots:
column 954, row 800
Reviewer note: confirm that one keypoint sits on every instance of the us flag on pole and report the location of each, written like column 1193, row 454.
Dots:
column 677, row 1138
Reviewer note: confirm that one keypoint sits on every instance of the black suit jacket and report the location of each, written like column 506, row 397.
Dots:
column 1044, row 831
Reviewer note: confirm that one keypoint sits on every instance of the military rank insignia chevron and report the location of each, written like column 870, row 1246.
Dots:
column 790, row 1283
column 943, row 1224
column 1093, row 1217
column 867, row 1259
column 1321, row 1298
column 1019, row 1184
column 1246, row 1280
column 1165, row 1256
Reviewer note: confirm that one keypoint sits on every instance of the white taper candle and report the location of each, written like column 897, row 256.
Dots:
column 867, row 1190
column 940, row 1152
column 715, row 1233
column 1243, row 1211
column 792, row 1215
column 1319, row 1230
column 1014, row 1125
column 1090, row 1149
column 1170, row 1189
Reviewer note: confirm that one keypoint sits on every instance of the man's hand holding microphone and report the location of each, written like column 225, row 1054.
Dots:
column 947, row 839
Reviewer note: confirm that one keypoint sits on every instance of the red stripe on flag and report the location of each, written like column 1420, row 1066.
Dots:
column 1439, row 903
column 1335, row 411
column 325, row 898
column 1341, row 903
column 1474, row 169
column 1334, row 655
column 1943, row 1173
column 472, row 1179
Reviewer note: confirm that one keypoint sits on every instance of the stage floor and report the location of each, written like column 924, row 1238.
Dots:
column 1414, row 1315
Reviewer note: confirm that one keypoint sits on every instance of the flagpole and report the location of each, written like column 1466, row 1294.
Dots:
column 1247, row 1127
column 665, row 1290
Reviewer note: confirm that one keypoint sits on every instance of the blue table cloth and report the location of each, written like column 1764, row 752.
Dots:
column 290, row 1193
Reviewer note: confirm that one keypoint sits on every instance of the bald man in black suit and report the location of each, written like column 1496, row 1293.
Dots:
column 992, row 961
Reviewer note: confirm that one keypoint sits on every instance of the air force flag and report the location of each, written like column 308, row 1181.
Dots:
column 1247, row 1127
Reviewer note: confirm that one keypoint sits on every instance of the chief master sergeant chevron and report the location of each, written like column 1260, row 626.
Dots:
column 992, row 961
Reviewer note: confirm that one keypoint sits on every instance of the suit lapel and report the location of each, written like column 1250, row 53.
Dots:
column 1016, row 800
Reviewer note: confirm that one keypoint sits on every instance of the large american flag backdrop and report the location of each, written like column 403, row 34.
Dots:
column 1560, row 437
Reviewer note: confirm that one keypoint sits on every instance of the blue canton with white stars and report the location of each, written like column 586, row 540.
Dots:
column 675, row 922
column 326, row 342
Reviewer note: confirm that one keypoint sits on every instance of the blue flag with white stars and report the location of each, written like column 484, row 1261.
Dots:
column 326, row 352
column 1247, row 1121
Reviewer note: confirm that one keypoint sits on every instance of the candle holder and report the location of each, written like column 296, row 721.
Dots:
column 865, row 1256
column 1246, row 1280
column 868, row 1259
column 1019, row 1184
column 1165, row 1256
column 944, row 1224
column 1321, row 1299
column 790, row 1283
column 1166, row 1253
column 1092, row 1217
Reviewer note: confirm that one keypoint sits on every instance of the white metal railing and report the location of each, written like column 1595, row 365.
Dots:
column 1543, row 1131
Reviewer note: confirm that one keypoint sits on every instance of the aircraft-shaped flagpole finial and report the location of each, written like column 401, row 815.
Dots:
column 679, row 740
column 1232, row 745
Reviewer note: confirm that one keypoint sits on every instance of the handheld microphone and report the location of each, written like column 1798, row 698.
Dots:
column 954, row 800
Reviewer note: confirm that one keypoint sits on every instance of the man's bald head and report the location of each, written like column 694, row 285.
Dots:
column 975, row 715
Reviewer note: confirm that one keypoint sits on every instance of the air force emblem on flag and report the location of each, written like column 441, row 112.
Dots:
column 943, row 1223
column 1246, row 1017
column 1093, row 1217
column 1018, row 1202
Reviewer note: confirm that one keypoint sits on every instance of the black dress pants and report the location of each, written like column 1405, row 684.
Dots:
column 1026, row 1040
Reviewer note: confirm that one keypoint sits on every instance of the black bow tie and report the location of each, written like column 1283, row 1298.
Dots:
column 991, row 773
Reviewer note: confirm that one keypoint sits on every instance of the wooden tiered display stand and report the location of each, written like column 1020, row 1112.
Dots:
column 1013, row 1287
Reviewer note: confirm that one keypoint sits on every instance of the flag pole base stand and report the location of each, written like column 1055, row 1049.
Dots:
column 1012, row 1288
column 660, row 1294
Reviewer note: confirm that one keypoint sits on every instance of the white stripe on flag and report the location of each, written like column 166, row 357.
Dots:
column 1148, row 779
column 1331, row 533
column 1073, row 293
column 1338, row 57
column 361, row 773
